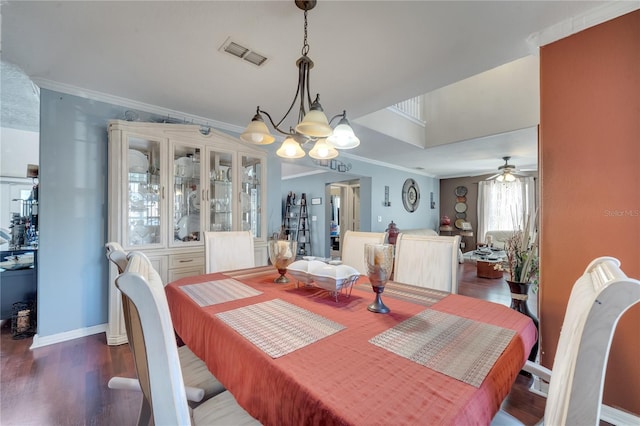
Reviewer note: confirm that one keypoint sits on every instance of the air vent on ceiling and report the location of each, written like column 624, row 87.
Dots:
column 242, row 52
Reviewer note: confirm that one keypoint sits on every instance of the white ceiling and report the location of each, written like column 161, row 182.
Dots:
column 368, row 55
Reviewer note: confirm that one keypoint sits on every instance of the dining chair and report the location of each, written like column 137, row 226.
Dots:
column 427, row 261
column 201, row 384
column 598, row 299
column 352, row 250
column 156, row 359
column 226, row 251
column 117, row 255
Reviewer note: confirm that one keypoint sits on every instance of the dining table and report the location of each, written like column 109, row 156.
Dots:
column 293, row 354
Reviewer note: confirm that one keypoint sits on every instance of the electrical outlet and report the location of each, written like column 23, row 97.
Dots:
column 379, row 218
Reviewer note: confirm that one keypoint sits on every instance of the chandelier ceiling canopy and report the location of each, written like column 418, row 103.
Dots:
column 312, row 125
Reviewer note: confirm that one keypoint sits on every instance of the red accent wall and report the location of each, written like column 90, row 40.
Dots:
column 590, row 181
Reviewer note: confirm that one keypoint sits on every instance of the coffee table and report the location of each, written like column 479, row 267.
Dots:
column 485, row 262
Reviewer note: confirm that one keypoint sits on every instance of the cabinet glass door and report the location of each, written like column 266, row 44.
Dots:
column 143, row 222
column 187, row 194
column 251, row 195
column 220, row 191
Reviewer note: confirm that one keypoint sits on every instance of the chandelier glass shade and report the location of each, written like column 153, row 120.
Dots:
column 343, row 136
column 257, row 132
column 323, row 150
column 290, row 149
column 312, row 124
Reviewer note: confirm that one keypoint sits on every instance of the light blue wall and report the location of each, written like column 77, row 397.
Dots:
column 72, row 269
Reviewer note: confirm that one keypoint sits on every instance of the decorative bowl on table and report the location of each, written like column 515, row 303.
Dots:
column 333, row 278
column 299, row 270
column 282, row 253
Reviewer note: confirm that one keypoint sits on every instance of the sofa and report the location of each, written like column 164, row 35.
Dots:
column 498, row 238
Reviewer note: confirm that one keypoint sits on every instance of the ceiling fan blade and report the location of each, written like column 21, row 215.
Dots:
column 493, row 177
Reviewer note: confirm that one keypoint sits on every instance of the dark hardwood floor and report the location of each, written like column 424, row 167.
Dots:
column 66, row 383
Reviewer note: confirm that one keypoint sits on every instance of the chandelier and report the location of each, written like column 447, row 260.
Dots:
column 312, row 125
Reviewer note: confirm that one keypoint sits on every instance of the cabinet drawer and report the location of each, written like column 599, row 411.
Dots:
column 186, row 260
column 176, row 274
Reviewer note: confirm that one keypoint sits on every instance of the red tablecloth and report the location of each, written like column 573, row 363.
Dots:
column 344, row 379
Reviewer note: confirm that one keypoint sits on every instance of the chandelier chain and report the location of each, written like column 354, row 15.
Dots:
column 305, row 45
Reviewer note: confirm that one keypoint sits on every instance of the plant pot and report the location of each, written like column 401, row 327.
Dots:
column 519, row 298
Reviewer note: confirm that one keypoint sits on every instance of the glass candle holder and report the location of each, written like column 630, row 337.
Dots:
column 379, row 261
column 282, row 253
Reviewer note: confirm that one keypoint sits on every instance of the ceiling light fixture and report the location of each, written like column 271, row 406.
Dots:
column 506, row 172
column 506, row 176
column 312, row 124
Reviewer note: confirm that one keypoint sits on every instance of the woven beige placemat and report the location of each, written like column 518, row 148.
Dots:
column 278, row 327
column 251, row 272
column 220, row 291
column 411, row 293
column 458, row 347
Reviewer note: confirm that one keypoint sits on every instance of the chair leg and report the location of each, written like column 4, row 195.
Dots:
column 145, row 417
column 179, row 341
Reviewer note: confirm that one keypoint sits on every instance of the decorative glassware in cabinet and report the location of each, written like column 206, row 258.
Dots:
column 220, row 193
column 143, row 187
column 251, row 195
column 187, row 193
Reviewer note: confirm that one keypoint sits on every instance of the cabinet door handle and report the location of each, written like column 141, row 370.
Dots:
column 203, row 195
column 185, row 260
column 163, row 192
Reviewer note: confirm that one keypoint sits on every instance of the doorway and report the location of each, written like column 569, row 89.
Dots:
column 345, row 212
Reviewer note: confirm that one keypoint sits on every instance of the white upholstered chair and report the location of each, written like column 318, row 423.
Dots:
column 155, row 354
column 226, row 251
column 117, row 255
column 352, row 251
column 598, row 299
column 427, row 261
column 200, row 383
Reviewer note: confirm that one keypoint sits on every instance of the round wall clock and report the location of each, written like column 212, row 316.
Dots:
column 410, row 195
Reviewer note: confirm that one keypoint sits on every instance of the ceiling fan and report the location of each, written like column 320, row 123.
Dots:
column 506, row 172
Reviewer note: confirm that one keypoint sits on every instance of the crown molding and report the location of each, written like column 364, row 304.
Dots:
column 581, row 22
column 129, row 103
column 344, row 155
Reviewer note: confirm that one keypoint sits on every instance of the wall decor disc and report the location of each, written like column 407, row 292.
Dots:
column 460, row 207
column 461, row 199
column 462, row 215
column 461, row 191
column 459, row 223
column 410, row 195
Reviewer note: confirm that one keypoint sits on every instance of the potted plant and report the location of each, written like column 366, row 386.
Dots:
column 523, row 265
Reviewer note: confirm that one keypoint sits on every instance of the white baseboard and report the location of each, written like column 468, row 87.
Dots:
column 39, row 341
column 612, row 415
column 615, row 416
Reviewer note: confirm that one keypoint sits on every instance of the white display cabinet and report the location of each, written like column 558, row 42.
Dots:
column 170, row 182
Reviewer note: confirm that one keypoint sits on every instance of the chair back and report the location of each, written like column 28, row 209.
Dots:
column 352, row 248
column 152, row 341
column 117, row 255
column 597, row 301
column 427, row 261
column 226, row 251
